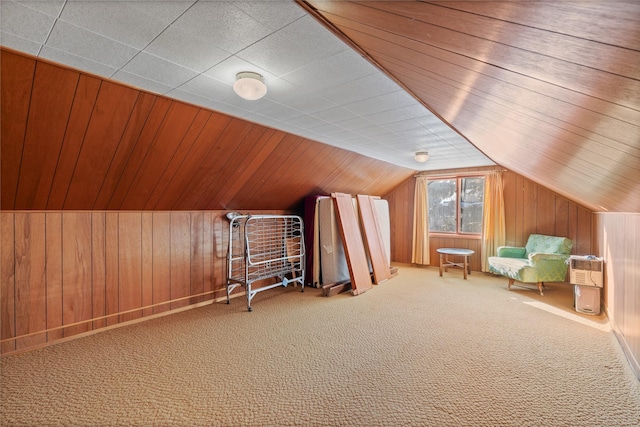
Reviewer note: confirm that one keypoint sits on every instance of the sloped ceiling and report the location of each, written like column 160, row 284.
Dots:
column 550, row 90
column 79, row 142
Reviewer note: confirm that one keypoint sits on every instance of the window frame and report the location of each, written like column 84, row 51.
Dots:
column 458, row 179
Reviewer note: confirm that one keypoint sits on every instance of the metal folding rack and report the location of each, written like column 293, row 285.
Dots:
column 265, row 247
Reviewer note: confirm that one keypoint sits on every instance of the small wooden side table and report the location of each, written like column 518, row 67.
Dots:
column 446, row 263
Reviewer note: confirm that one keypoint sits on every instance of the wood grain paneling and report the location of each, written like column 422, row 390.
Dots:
column 54, row 274
column 544, row 97
column 52, row 86
column 76, row 272
column 161, row 260
column 7, row 282
column 112, row 112
column 180, row 257
column 72, row 141
column 622, row 277
column 15, row 90
column 98, row 268
column 30, row 279
column 529, row 208
column 130, row 264
column 81, row 111
column 65, row 273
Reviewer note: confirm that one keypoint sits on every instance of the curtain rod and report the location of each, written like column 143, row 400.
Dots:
column 470, row 173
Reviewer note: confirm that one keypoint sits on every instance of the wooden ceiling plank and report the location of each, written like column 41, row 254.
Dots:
column 15, row 95
column 255, row 186
column 236, row 156
column 178, row 159
column 162, row 148
column 609, row 22
column 51, row 101
column 590, row 53
column 260, row 153
column 432, row 59
column 83, row 104
column 209, row 170
column 611, row 133
column 135, row 124
column 134, row 161
column 556, row 173
column 607, row 86
column 109, row 119
column 180, row 182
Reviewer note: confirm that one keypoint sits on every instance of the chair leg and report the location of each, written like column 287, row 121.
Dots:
column 511, row 281
column 540, row 285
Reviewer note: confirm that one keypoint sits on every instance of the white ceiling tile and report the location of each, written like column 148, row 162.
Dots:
column 370, row 86
column 306, row 122
column 166, row 11
column 329, row 129
column 191, row 51
column 49, row 7
column 336, row 114
column 272, row 14
column 293, row 47
column 116, row 20
column 141, row 82
column 389, row 101
column 279, row 111
column 18, row 43
column 223, row 24
column 336, row 70
column 24, row 22
column 356, row 123
column 80, row 42
column 78, row 62
column 157, row 69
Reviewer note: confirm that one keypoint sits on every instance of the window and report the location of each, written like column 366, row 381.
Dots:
column 455, row 205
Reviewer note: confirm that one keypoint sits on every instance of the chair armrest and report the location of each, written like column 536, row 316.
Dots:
column 511, row 252
column 539, row 256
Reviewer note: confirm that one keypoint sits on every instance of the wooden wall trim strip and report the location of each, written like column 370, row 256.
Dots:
column 121, row 313
column 67, row 273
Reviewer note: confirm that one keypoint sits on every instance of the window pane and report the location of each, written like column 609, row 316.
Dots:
column 442, row 205
column 471, row 198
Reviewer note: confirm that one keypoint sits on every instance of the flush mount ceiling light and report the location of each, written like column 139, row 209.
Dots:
column 249, row 85
column 422, row 156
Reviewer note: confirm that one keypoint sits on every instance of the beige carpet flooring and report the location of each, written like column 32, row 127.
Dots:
column 418, row 350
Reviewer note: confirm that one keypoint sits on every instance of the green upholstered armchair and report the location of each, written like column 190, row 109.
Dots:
column 541, row 260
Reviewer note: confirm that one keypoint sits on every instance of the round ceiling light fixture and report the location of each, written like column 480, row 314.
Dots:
column 249, row 85
column 422, row 156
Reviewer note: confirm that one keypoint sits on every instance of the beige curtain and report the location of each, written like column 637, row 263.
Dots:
column 420, row 251
column 493, row 221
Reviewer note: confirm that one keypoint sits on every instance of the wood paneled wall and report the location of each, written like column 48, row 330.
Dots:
column 549, row 89
column 529, row 208
column 66, row 273
column 616, row 240
column 72, row 141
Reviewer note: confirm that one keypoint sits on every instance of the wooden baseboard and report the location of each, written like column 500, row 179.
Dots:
column 635, row 365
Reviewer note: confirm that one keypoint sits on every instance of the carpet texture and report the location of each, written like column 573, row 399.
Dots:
column 417, row 350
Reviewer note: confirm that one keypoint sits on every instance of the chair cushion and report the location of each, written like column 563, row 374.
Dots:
column 548, row 244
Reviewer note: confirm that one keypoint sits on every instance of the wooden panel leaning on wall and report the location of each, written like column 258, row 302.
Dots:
column 66, row 274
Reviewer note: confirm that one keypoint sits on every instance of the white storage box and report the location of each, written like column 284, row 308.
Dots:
column 587, row 299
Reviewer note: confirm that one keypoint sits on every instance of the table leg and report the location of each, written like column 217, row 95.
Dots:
column 441, row 264
column 466, row 261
